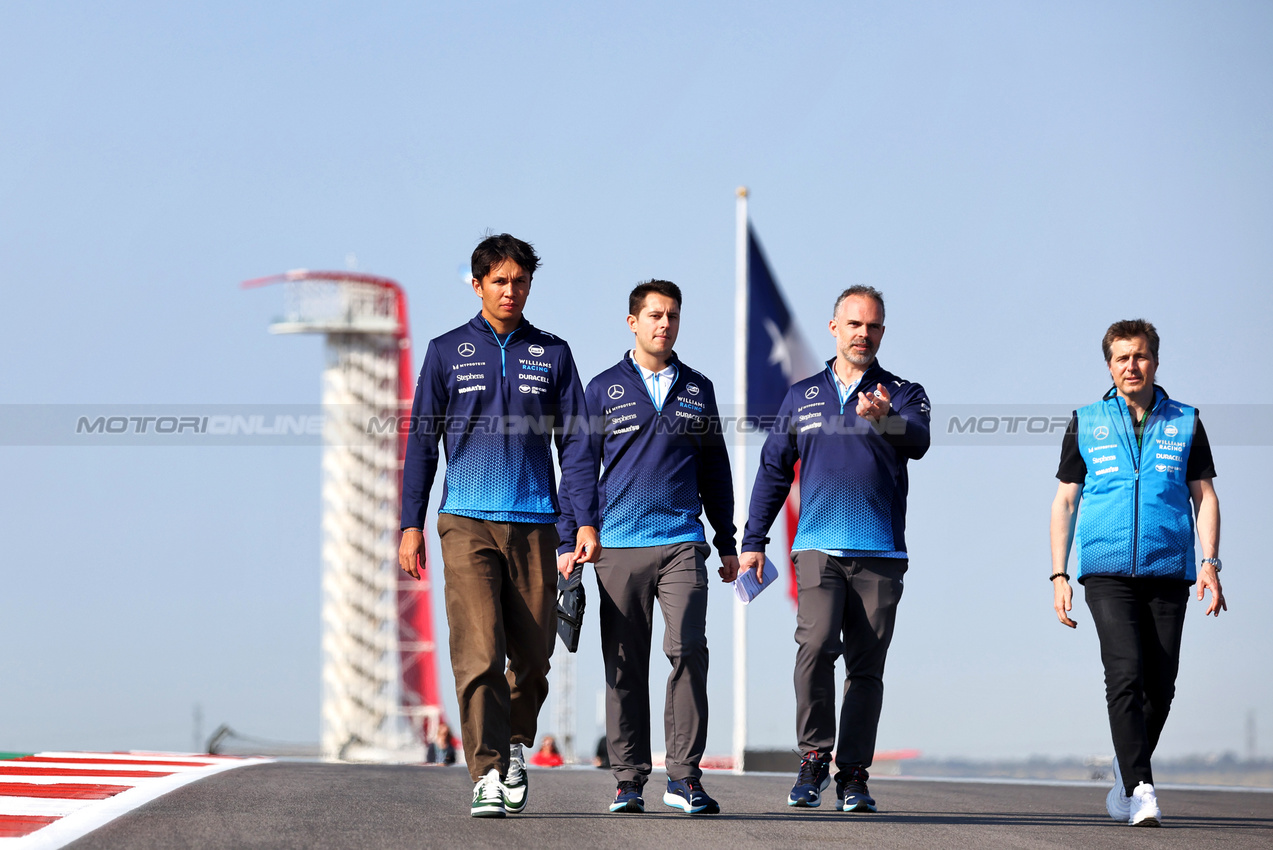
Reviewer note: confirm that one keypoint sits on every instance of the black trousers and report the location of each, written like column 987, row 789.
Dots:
column 1139, row 622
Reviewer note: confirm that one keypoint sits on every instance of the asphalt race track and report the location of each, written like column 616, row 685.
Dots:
column 310, row 805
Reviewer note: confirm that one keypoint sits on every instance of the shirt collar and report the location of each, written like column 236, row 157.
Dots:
column 667, row 372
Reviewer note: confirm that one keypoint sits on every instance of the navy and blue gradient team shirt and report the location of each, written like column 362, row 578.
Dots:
column 498, row 403
column 853, row 481
column 665, row 464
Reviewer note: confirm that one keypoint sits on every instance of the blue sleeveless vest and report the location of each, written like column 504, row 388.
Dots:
column 1135, row 517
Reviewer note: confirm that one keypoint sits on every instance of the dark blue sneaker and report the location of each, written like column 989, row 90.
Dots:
column 628, row 798
column 688, row 796
column 814, row 776
column 850, row 790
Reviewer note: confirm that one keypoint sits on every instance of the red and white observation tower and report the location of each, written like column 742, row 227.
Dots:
column 380, row 687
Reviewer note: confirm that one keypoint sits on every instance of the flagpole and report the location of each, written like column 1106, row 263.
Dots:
column 740, row 470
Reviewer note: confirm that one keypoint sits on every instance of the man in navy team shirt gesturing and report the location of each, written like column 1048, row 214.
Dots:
column 500, row 392
column 853, row 427
column 656, row 430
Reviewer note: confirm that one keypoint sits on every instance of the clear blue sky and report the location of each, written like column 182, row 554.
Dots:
column 1013, row 176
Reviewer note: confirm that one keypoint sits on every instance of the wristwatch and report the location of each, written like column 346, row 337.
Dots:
column 1215, row 562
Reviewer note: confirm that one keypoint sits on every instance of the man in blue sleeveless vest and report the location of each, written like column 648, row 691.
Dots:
column 1141, row 464
column 500, row 391
column 853, row 427
column 656, row 429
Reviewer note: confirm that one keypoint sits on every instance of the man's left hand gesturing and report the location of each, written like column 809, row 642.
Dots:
column 875, row 406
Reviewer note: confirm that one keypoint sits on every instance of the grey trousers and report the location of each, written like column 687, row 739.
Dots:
column 629, row 580
column 845, row 607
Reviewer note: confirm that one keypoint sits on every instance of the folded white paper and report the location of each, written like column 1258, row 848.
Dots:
column 747, row 588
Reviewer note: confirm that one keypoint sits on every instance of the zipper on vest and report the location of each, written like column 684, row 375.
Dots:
column 1138, row 444
column 1133, row 450
column 1135, row 519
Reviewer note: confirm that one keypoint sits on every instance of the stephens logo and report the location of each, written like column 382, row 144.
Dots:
column 1100, row 432
column 692, row 389
column 466, row 349
column 1171, row 431
column 536, row 351
column 812, row 392
column 615, row 391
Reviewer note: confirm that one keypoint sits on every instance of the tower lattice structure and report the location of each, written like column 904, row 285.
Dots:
column 380, row 698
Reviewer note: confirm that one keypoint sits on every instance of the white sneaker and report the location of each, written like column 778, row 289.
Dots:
column 488, row 797
column 515, row 783
column 1117, row 803
column 1144, row 806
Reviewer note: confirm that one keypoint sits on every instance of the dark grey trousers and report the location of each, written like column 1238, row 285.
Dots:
column 629, row 580
column 845, row 607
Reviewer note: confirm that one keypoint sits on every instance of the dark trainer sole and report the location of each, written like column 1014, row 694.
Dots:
column 628, row 809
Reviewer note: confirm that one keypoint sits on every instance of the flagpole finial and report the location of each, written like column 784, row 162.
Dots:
column 742, row 191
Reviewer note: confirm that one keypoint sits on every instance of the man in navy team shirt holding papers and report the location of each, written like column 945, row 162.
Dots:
column 853, row 427
column 656, row 429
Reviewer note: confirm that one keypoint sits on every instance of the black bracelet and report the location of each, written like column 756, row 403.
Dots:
column 1056, row 576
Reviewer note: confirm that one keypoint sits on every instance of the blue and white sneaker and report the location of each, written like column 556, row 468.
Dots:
column 850, row 790
column 628, row 798
column 814, row 776
column 688, row 796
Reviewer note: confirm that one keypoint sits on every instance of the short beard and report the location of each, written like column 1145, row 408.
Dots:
column 859, row 360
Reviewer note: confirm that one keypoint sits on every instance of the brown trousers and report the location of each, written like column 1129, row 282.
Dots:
column 501, row 607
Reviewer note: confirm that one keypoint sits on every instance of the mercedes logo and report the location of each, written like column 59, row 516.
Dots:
column 615, row 391
column 1100, row 432
column 466, row 349
column 811, row 392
